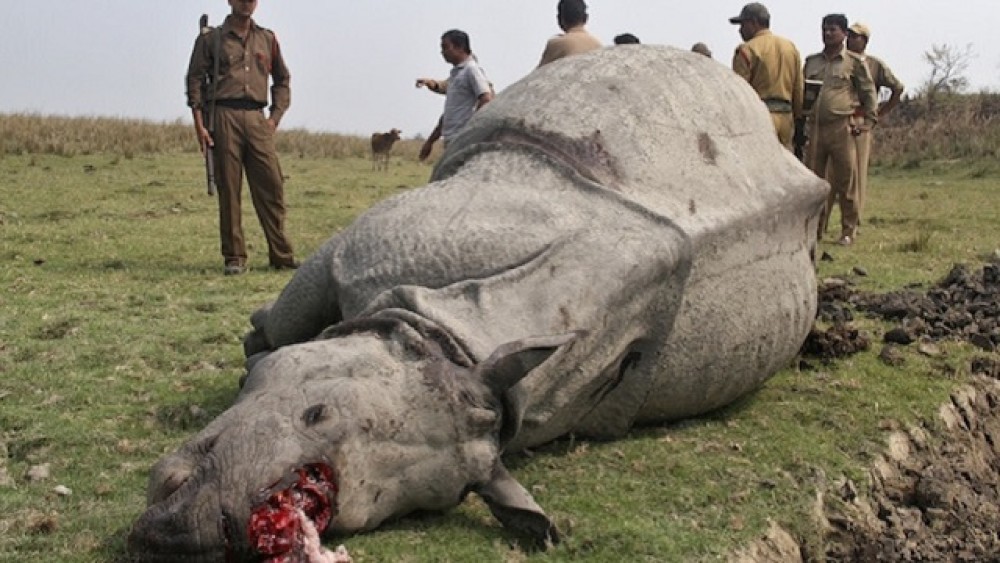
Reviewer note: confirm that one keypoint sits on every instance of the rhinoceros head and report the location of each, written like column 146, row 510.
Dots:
column 369, row 422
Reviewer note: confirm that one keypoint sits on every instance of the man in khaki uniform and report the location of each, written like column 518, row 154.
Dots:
column 847, row 89
column 773, row 67
column 858, row 36
column 242, row 136
column 572, row 18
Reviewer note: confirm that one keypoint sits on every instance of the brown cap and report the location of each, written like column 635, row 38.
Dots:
column 860, row 29
column 753, row 11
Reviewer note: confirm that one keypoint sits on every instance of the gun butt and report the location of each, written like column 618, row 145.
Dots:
column 210, row 174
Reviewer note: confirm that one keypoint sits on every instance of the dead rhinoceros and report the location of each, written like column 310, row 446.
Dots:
column 617, row 239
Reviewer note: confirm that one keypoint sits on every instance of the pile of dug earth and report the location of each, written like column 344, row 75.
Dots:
column 933, row 497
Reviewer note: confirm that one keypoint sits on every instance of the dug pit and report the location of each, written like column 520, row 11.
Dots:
column 934, row 495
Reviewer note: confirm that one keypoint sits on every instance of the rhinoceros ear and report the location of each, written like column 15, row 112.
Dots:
column 510, row 362
column 507, row 365
column 515, row 508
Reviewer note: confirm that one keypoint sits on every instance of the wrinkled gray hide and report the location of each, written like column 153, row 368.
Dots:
column 631, row 209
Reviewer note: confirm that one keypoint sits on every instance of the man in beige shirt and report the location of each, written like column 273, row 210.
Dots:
column 773, row 67
column 858, row 36
column 572, row 18
column 847, row 91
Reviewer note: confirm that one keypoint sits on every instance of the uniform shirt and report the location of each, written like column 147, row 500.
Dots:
column 881, row 75
column 466, row 83
column 244, row 69
column 773, row 67
column 576, row 40
column 847, row 86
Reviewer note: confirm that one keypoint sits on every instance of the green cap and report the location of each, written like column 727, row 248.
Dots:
column 754, row 11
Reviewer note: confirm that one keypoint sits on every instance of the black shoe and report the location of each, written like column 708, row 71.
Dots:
column 293, row 265
column 233, row 270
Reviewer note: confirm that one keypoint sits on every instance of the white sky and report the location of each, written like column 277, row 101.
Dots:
column 354, row 63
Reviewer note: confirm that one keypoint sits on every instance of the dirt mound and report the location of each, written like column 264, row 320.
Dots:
column 933, row 498
column 935, row 495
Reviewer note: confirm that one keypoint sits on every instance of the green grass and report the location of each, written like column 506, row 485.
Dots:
column 119, row 338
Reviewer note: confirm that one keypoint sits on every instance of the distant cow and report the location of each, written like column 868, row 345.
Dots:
column 381, row 146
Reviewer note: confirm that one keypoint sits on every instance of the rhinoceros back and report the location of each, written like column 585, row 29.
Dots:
column 673, row 130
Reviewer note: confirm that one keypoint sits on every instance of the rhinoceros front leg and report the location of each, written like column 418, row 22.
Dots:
column 306, row 306
column 516, row 509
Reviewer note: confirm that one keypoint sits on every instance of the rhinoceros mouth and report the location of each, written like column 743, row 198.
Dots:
column 302, row 503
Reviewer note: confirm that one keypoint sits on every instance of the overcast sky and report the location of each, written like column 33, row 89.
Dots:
column 354, row 63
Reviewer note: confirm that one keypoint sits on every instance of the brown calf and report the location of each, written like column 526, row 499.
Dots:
column 381, row 145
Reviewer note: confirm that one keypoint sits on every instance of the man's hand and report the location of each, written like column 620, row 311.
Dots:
column 205, row 141
column 428, row 83
column 425, row 150
column 272, row 125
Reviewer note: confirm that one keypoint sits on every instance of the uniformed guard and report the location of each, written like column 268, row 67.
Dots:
column 773, row 67
column 248, row 57
column 858, row 36
column 847, row 90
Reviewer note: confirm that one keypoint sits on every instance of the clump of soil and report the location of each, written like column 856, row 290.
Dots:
column 963, row 306
column 836, row 298
column 838, row 341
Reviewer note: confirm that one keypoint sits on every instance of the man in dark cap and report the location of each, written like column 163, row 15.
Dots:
column 772, row 66
column 858, row 36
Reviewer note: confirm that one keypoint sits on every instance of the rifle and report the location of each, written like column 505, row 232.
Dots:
column 208, row 117
column 799, row 138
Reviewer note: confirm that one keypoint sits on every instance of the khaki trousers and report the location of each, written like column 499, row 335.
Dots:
column 833, row 156
column 863, row 144
column 784, row 126
column 244, row 140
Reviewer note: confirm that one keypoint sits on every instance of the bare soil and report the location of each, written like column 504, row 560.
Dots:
column 935, row 493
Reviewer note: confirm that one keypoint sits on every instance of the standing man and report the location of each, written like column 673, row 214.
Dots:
column 773, row 67
column 468, row 89
column 858, row 36
column 847, row 90
column 575, row 39
column 242, row 136
column 627, row 39
column 701, row 49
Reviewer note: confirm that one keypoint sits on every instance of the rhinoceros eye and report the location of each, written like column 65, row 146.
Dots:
column 314, row 415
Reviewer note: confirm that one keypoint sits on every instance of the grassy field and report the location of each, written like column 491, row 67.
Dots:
column 119, row 338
